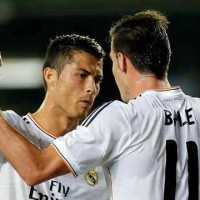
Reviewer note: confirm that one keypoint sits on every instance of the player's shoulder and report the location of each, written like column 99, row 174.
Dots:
column 13, row 118
column 110, row 107
column 10, row 115
column 108, row 111
column 195, row 100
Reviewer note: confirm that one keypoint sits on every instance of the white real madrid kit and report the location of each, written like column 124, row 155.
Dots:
column 150, row 145
column 91, row 185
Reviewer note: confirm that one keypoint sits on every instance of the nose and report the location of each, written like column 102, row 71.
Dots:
column 92, row 86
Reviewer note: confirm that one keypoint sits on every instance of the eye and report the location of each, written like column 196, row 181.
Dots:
column 83, row 75
column 98, row 80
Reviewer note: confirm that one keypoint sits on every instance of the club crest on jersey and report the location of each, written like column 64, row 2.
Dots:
column 91, row 177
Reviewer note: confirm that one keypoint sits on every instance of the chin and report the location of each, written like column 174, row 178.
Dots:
column 83, row 112
column 83, row 115
column 124, row 99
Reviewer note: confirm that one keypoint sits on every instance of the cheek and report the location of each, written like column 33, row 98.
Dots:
column 114, row 71
column 63, row 90
column 65, row 85
column 98, row 90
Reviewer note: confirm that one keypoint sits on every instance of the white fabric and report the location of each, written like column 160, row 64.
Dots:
column 131, row 140
column 67, row 187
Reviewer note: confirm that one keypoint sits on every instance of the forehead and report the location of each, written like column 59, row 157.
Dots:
column 87, row 61
column 84, row 62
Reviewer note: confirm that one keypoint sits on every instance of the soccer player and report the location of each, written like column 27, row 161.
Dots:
column 73, row 70
column 149, row 142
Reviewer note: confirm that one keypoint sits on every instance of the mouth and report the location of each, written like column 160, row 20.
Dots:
column 86, row 103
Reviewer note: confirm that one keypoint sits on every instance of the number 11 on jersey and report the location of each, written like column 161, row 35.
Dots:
column 170, row 170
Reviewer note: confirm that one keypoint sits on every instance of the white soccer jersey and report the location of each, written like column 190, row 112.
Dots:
column 150, row 145
column 89, row 186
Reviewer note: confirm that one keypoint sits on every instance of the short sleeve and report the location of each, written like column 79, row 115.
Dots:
column 98, row 141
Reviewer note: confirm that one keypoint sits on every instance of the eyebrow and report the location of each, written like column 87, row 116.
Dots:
column 88, row 72
column 84, row 70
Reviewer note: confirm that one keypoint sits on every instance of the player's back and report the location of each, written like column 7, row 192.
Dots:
column 150, row 145
column 161, row 162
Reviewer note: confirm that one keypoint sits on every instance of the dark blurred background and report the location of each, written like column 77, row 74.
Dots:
column 27, row 26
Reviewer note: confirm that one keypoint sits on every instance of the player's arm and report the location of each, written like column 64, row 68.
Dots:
column 33, row 164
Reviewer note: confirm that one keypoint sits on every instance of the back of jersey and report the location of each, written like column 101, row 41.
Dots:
column 165, row 161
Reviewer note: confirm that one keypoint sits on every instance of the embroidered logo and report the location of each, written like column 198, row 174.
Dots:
column 91, row 177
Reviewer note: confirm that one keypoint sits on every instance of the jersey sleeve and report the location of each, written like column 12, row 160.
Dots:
column 17, row 123
column 99, row 140
column 11, row 117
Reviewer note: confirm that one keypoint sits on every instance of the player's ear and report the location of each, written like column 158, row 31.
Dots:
column 50, row 76
column 122, row 62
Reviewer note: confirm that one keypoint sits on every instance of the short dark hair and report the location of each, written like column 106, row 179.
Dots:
column 142, row 37
column 61, row 50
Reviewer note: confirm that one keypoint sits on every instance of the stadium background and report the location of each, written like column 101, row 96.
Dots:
column 27, row 26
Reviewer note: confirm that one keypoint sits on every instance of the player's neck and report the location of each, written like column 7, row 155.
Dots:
column 53, row 122
column 150, row 82
column 147, row 82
